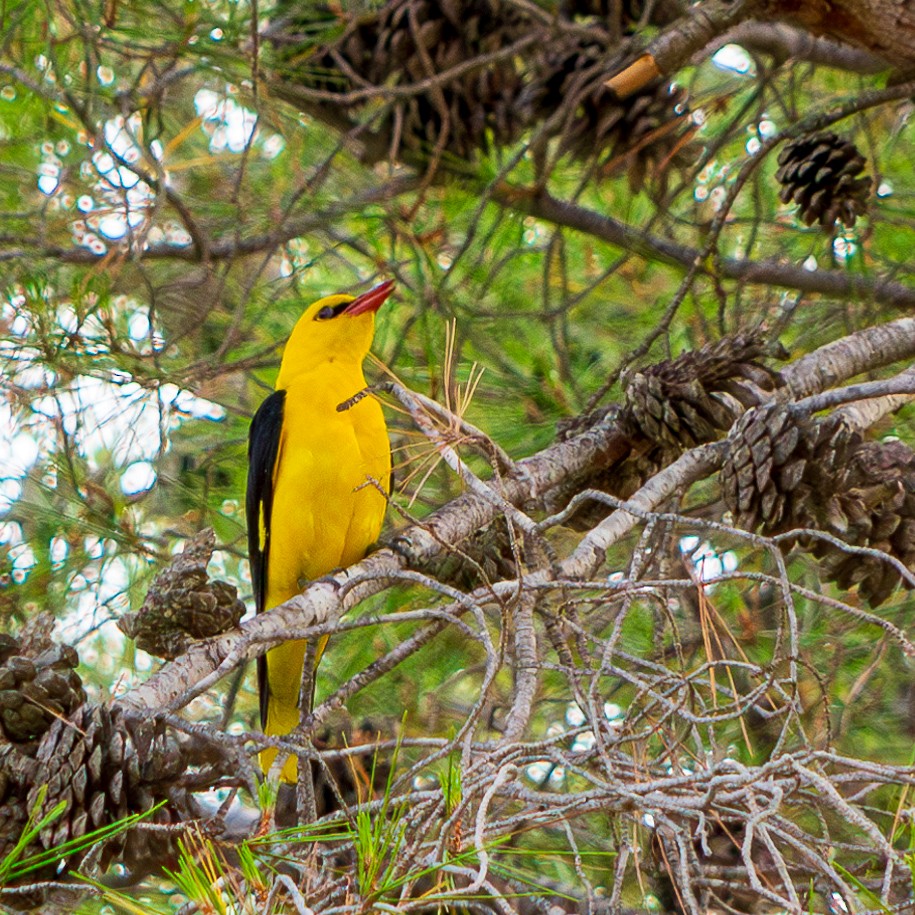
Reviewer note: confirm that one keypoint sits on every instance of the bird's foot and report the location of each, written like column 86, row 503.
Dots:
column 404, row 548
column 330, row 579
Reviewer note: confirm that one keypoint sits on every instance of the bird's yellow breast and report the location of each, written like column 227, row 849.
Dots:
column 326, row 511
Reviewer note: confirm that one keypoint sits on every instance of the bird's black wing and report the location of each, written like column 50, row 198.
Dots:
column 263, row 449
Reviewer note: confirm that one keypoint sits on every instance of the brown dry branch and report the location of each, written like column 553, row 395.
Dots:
column 837, row 284
column 884, row 27
column 769, row 272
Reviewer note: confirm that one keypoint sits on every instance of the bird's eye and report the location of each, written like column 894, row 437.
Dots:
column 326, row 312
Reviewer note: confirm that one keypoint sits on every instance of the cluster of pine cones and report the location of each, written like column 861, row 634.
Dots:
column 675, row 405
column 510, row 73
column 101, row 767
column 787, row 471
column 783, row 469
column 456, row 78
column 91, row 761
column 55, row 749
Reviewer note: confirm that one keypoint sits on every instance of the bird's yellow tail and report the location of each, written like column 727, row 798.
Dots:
column 284, row 686
column 281, row 719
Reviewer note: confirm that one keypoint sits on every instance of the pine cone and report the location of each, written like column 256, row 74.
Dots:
column 783, row 472
column 18, row 772
column 96, row 762
column 38, row 682
column 874, row 506
column 183, row 604
column 568, row 74
column 768, row 451
column 681, row 403
column 817, row 171
column 102, row 769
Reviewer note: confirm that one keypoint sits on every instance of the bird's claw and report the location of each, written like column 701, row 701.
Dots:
column 329, row 579
column 404, row 548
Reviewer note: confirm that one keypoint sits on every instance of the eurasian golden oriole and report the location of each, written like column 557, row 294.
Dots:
column 311, row 507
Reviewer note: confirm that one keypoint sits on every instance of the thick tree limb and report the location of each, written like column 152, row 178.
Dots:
column 783, row 41
column 885, row 27
column 869, row 349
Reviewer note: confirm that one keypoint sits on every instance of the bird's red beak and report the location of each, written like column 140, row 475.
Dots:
column 371, row 300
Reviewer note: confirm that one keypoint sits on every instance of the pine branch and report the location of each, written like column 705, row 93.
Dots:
column 535, row 480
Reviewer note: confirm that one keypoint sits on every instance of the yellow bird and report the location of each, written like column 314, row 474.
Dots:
column 310, row 505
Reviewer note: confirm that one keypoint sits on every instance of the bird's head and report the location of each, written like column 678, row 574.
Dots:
column 337, row 328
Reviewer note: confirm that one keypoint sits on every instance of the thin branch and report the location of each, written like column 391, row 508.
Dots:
column 217, row 250
column 833, row 283
column 899, row 386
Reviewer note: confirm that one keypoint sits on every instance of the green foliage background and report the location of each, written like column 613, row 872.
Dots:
column 157, row 346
